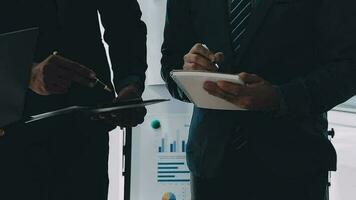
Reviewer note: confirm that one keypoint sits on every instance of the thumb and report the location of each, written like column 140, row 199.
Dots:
column 219, row 57
column 249, row 78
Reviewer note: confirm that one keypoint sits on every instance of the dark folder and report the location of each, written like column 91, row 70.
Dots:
column 16, row 56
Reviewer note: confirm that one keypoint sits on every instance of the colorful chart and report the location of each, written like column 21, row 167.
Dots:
column 169, row 196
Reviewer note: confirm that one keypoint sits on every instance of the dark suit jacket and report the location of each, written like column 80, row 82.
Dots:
column 72, row 28
column 306, row 47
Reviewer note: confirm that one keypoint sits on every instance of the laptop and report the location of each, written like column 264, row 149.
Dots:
column 16, row 57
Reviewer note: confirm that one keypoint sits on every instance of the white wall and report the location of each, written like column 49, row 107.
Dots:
column 343, row 182
column 116, row 186
column 154, row 14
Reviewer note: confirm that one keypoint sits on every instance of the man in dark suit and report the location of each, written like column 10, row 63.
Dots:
column 22, row 158
column 67, row 158
column 83, row 168
column 297, row 59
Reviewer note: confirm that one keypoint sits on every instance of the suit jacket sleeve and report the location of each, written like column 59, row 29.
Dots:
column 178, row 40
column 335, row 80
column 125, row 34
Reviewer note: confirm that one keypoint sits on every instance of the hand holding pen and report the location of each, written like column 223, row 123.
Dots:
column 56, row 74
column 202, row 59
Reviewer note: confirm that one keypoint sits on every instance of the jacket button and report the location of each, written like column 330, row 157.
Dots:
column 2, row 132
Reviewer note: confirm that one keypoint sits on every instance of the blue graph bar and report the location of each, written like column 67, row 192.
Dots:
column 183, row 146
column 171, row 163
column 162, row 145
column 173, row 172
column 177, row 180
column 172, row 147
column 167, row 167
column 166, row 176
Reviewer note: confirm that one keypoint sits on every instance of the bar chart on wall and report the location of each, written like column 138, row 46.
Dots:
column 171, row 163
column 160, row 167
column 177, row 145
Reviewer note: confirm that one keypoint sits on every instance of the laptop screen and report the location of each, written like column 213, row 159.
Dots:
column 16, row 56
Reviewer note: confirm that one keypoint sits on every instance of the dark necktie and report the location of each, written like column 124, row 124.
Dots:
column 240, row 12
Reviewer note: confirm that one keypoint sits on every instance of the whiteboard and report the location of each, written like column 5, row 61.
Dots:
column 159, row 163
column 343, row 181
column 159, row 168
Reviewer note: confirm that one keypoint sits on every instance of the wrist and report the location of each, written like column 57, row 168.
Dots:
column 33, row 77
column 36, row 83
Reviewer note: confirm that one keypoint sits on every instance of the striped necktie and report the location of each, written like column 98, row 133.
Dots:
column 240, row 12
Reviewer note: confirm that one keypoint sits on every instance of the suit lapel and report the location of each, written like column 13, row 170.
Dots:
column 256, row 21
